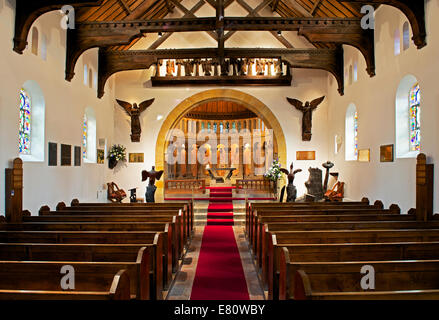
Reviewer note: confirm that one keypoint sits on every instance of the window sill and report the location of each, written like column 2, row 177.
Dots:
column 31, row 159
column 409, row 155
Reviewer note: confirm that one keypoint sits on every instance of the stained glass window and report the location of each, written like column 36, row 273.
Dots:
column 415, row 118
column 356, row 133
column 84, row 137
column 25, row 123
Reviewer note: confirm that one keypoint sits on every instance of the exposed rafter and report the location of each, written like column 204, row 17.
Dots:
column 111, row 62
column 26, row 12
column 325, row 30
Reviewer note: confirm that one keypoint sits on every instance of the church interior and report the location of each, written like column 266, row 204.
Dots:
column 219, row 150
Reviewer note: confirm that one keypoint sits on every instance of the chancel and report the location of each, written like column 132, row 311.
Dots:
column 182, row 196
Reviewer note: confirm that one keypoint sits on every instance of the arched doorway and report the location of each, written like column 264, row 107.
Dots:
column 250, row 102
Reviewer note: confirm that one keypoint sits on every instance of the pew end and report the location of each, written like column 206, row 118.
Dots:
column 379, row 204
column 60, row 206
column 302, row 286
column 284, row 260
column 395, row 208
column 365, row 200
column 74, row 203
column 44, row 210
column 120, row 287
column 144, row 264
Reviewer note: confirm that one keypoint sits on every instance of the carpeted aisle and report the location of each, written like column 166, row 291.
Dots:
column 219, row 274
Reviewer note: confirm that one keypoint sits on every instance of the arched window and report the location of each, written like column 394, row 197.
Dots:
column 408, row 118
column 44, row 47
column 405, row 36
column 35, row 38
column 351, row 132
column 355, row 71
column 89, row 136
column 415, row 118
column 31, row 122
column 25, row 123
column 90, row 78
column 397, row 42
column 85, row 74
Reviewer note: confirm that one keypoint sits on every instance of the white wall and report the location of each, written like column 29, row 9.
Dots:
column 65, row 105
column 375, row 101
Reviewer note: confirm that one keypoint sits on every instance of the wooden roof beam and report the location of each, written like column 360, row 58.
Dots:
column 111, row 62
column 27, row 12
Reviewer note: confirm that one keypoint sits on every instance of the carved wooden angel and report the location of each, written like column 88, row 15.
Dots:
column 134, row 112
column 307, row 111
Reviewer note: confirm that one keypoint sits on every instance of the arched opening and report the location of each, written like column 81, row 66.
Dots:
column 253, row 105
column 351, row 133
column 32, row 122
column 35, row 39
column 406, row 36
column 408, row 118
column 89, row 136
column 397, row 42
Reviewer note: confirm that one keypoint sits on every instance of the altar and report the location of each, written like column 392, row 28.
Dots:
column 221, row 179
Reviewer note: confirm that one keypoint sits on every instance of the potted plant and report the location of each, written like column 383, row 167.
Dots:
column 274, row 174
column 117, row 153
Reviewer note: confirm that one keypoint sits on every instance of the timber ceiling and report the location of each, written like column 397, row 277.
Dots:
column 220, row 110
column 118, row 10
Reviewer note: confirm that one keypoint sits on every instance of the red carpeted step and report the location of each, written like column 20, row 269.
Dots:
column 212, row 200
column 220, row 215
column 220, row 188
column 221, row 194
column 220, row 222
column 220, row 207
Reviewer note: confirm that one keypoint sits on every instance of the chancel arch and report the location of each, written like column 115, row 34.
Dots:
column 256, row 114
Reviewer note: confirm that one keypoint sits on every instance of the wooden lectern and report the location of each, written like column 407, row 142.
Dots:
column 14, row 192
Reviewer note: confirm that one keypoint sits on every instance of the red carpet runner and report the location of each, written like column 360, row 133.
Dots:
column 219, row 275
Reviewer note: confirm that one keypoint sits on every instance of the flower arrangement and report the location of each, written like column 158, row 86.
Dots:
column 274, row 173
column 117, row 152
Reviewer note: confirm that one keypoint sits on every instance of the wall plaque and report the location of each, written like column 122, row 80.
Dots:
column 305, row 155
column 386, row 153
column 53, row 154
column 364, row 155
column 66, row 155
column 100, row 159
column 77, row 156
column 137, row 157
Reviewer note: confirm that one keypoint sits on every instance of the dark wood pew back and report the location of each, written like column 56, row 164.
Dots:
column 103, row 280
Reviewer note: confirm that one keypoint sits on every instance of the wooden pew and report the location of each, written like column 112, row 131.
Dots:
column 360, row 221
column 182, row 223
column 166, row 228
column 177, row 241
column 278, row 239
column 139, row 273
column 186, row 206
column 42, row 280
column 290, row 254
column 342, row 280
column 252, row 206
column 153, row 241
column 322, row 210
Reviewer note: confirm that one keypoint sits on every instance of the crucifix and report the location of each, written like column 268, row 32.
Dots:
column 307, row 111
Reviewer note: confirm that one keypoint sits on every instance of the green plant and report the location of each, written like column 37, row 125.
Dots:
column 117, row 152
column 274, row 173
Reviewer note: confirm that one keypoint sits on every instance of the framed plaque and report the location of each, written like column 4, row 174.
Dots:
column 137, row 157
column 53, row 154
column 305, row 155
column 77, row 156
column 364, row 155
column 66, row 155
column 387, row 153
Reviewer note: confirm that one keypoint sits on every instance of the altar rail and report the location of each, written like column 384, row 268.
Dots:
column 185, row 186
column 261, row 185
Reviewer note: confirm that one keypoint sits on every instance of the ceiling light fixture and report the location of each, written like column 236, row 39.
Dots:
column 279, row 33
column 160, row 34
